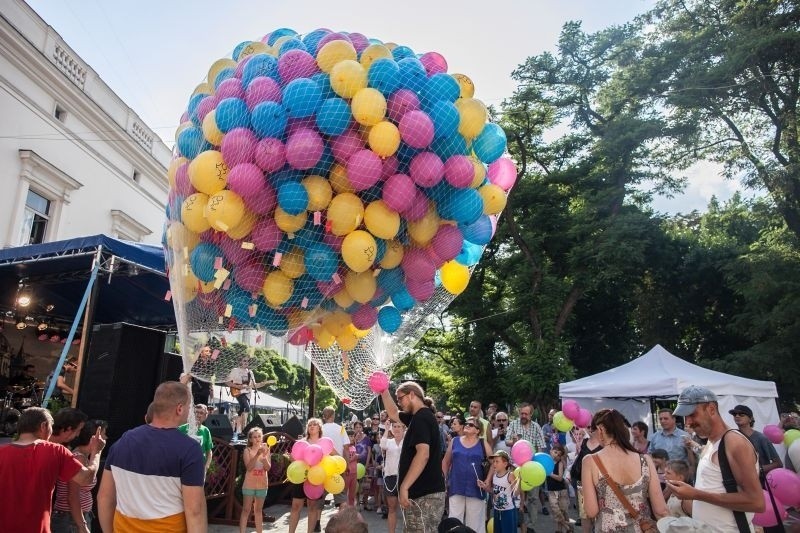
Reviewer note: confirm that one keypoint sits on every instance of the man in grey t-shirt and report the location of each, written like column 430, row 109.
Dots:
column 767, row 456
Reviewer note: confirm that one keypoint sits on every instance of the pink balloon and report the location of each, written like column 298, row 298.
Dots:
column 459, row 171
column 262, row 203
column 390, row 166
column 421, row 290
column 364, row 169
column 301, row 337
column 262, row 89
column 296, row 64
column 326, row 443
column 521, row 452
column 312, row 454
column 345, row 145
column 767, row 518
column 571, row 409
column 417, row 265
column 334, row 241
column 365, row 317
column 303, row 149
column 434, row 63
column 233, row 251
column 183, row 185
column 250, row 275
column 238, row 146
column 332, row 37
column 270, row 154
column 240, row 67
column 230, row 88
column 184, row 117
column 246, row 180
column 773, row 432
column 378, row 381
column 360, row 42
column 447, row 242
column 584, row 418
column 266, row 235
column 399, row 192
column 401, row 102
column 418, row 208
column 426, row 169
column 206, row 105
column 299, row 450
column 313, row 492
column 503, row 173
column 416, row 129
column 296, row 124
column 785, row 486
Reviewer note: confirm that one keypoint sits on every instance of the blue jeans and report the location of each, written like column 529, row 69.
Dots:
column 62, row 522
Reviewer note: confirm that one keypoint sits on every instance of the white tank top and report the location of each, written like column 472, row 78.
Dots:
column 709, row 479
column 503, row 496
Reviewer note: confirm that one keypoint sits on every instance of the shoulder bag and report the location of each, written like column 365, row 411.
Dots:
column 647, row 525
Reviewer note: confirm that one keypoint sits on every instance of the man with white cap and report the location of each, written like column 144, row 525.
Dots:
column 727, row 490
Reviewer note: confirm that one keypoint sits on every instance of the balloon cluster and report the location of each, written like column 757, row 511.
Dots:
column 785, row 484
column 316, row 469
column 532, row 469
column 571, row 414
column 327, row 183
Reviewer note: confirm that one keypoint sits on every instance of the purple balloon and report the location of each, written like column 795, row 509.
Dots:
column 459, row 171
column 345, row 145
column 238, row 146
column 303, row 149
column 418, row 208
column 183, row 186
column 266, row 235
column 230, row 88
column 246, row 180
column 447, row 242
column 401, row 102
column 416, row 129
column 421, row 291
column 240, row 67
column 332, row 37
column 359, row 41
column 270, row 154
column 426, row 169
column 296, row 64
column 503, row 173
column 365, row 317
column 206, row 105
column 262, row 89
column 399, row 192
column 262, row 203
column 364, row 169
column 434, row 63
column 250, row 274
column 417, row 265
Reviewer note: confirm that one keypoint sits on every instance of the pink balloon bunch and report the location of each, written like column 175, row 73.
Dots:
column 774, row 433
column 578, row 415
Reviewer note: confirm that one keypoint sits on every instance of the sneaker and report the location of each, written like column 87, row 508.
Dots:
column 545, row 511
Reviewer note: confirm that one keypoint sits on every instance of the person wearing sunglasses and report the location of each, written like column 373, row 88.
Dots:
column 767, row 456
column 421, row 491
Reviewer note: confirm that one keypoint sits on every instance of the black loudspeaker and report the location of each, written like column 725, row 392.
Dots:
column 293, row 427
column 171, row 367
column 267, row 423
column 219, row 426
column 123, row 367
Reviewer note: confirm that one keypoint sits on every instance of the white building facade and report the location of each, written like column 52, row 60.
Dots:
column 75, row 160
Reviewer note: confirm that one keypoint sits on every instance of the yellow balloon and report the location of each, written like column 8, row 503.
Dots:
column 180, row 237
column 338, row 179
column 343, row 298
column 490, row 525
column 384, row 138
column 319, row 192
column 277, row 288
column 336, row 322
column 345, row 213
column 455, row 277
column 466, row 85
column 296, row 472
column 207, row 287
column 334, row 484
column 203, row 88
column 369, row 106
column 174, row 165
column 381, row 220
column 297, row 319
column 210, row 130
column 243, row 228
column 480, row 173
column 271, row 440
column 359, row 333
column 333, row 53
column 348, row 77
column 193, row 212
column 358, row 250
column 218, row 66
column 328, row 465
column 390, row 45
column 472, row 115
column 393, row 255
column 347, row 341
column 494, row 199
column 322, row 336
column 361, row 285
column 254, row 47
column 422, row 231
column 191, row 286
column 293, row 263
column 224, row 210
column 208, row 172
column 373, row 52
column 316, row 474
column 341, row 464
column 290, row 223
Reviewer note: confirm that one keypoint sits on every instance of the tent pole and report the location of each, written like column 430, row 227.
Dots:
column 312, row 390
column 89, row 290
column 653, row 416
column 88, row 318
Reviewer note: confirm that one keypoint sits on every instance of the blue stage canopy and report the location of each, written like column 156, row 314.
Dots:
column 131, row 284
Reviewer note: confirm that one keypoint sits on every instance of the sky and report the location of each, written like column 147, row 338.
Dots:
column 153, row 54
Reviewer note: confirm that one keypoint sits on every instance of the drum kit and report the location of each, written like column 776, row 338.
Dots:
column 17, row 399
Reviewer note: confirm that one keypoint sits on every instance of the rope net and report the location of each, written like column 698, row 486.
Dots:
column 332, row 191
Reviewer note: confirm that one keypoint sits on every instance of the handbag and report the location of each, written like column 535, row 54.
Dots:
column 646, row 524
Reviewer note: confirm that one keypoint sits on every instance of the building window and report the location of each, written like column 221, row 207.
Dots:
column 136, row 176
column 35, row 219
column 60, row 113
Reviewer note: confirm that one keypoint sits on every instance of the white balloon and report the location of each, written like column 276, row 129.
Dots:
column 794, row 455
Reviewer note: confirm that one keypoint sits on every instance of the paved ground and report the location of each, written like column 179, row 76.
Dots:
column 544, row 524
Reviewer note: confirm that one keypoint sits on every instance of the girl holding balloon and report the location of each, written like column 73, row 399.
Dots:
column 254, row 489
column 299, row 495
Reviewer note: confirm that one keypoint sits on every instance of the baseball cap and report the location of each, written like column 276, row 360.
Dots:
column 692, row 396
column 501, row 453
column 742, row 409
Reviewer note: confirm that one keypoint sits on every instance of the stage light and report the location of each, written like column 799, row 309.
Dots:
column 21, row 323
column 49, row 307
column 43, row 325
column 24, row 300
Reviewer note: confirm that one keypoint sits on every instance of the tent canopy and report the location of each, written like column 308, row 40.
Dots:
column 262, row 400
column 658, row 373
column 132, row 282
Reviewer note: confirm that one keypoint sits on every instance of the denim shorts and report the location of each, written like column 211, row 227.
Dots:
column 258, row 493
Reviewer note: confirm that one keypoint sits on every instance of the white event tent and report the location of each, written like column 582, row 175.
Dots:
column 633, row 388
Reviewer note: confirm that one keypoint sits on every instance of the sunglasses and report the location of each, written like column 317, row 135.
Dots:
column 739, row 414
column 502, row 419
column 471, row 425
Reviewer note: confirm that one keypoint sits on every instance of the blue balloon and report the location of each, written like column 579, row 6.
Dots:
column 464, row 206
column 238, row 49
column 391, row 280
column 202, row 260
column 406, row 153
column 232, row 113
column 321, row 261
column 305, row 288
column 402, row 300
column 292, row 44
column 447, row 147
column 312, row 39
column 269, row 120
column 412, row 74
column 324, row 82
column 326, row 161
column 478, row 232
column 191, row 142
column 379, row 300
column 260, row 65
column 334, row 117
column 286, row 174
column 191, row 109
column 445, row 119
column 470, row 254
column 490, row 143
column 381, row 244
column 402, row 52
column 240, row 302
column 389, row 319
column 384, row 75
column 546, row 461
column 441, row 86
column 309, row 235
column 271, row 320
column 302, row 98
column 223, row 75
column 277, row 34
column 293, row 197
